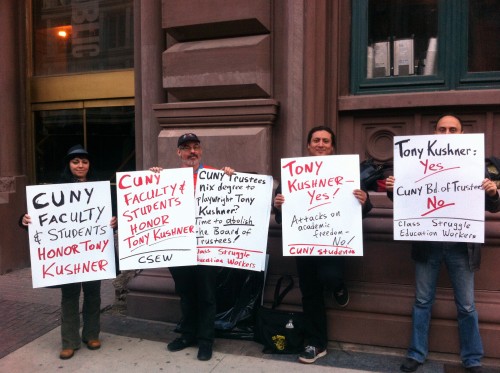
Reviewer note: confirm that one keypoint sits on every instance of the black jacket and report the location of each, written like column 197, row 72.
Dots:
column 420, row 250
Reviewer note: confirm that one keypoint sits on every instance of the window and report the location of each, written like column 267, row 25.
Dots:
column 417, row 45
column 106, row 132
column 82, row 36
column 484, row 28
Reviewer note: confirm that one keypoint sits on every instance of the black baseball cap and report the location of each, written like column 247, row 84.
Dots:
column 187, row 137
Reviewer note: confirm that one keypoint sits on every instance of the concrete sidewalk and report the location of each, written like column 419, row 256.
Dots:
column 120, row 354
column 30, row 342
column 124, row 352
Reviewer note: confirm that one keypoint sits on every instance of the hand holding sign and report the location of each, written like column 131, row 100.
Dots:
column 156, row 218
column 438, row 193
column 70, row 236
column 232, row 219
column 322, row 213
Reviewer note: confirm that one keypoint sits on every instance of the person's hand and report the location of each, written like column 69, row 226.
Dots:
column 228, row 170
column 278, row 201
column 361, row 196
column 26, row 220
column 114, row 222
column 389, row 183
column 489, row 187
column 155, row 169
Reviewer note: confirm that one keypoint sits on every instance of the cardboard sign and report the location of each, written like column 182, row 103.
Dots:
column 156, row 218
column 232, row 219
column 437, row 191
column 321, row 216
column 70, row 236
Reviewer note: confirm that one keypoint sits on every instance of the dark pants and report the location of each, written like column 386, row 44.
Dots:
column 70, row 313
column 196, row 287
column 315, row 275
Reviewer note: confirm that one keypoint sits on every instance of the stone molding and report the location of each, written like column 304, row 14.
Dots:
column 260, row 112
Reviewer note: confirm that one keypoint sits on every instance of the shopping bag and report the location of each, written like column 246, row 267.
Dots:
column 280, row 331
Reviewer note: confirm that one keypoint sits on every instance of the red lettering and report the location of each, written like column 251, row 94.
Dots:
column 434, row 167
column 120, row 182
column 434, row 204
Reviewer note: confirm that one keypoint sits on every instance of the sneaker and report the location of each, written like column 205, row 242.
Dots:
column 409, row 365
column 179, row 344
column 341, row 296
column 311, row 354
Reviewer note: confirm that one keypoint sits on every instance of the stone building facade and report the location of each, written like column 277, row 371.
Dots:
column 251, row 78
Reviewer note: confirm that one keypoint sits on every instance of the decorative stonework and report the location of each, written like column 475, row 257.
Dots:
column 234, row 132
column 260, row 112
column 7, row 184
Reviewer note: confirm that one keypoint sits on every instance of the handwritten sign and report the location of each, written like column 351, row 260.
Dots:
column 437, row 192
column 70, row 236
column 321, row 216
column 156, row 218
column 232, row 219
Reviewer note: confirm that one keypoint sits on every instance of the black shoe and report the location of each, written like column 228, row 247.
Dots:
column 409, row 365
column 341, row 296
column 179, row 344
column 205, row 351
column 311, row 354
column 476, row 369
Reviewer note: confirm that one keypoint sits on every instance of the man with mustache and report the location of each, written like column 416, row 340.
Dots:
column 195, row 285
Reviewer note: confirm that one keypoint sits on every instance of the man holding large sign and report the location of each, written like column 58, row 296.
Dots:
column 195, row 284
column 444, row 213
column 321, row 226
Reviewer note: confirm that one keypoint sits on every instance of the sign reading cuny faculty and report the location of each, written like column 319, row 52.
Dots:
column 321, row 216
column 156, row 218
column 70, row 236
column 232, row 219
column 437, row 191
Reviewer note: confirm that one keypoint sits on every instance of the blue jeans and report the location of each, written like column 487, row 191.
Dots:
column 456, row 259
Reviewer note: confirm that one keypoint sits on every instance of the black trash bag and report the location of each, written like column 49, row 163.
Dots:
column 239, row 294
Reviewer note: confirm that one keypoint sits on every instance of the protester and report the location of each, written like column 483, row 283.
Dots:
column 195, row 285
column 78, row 169
column 319, row 273
column 461, row 260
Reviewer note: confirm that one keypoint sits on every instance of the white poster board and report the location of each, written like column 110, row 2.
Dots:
column 70, row 236
column 232, row 219
column 321, row 216
column 437, row 191
column 156, row 225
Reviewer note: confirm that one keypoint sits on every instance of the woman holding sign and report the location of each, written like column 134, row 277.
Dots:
column 315, row 272
column 78, row 170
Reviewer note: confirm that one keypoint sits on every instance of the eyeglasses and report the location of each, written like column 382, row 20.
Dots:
column 195, row 148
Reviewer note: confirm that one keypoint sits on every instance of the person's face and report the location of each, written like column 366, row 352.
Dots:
column 448, row 125
column 321, row 144
column 190, row 154
column 79, row 167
